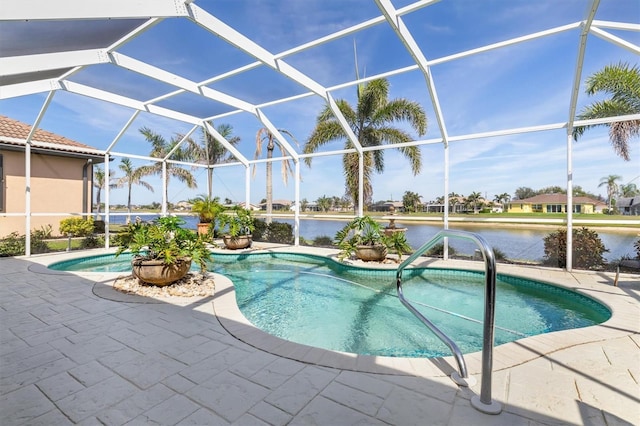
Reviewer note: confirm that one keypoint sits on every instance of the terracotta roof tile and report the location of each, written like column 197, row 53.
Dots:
column 10, row 128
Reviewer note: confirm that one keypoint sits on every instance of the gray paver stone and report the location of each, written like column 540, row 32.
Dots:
column 322, row 411
column 58, row 386
column 23, row 405
column 294, row 394
column 228, row 395
column 203, row 417
column 96, row 398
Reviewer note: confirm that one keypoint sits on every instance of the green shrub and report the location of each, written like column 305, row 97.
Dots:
column 438, row 250
column 499, row 254
column 12, row 245
column 587, row 249
column 259, row 229
column 38, row 237
column 92, row 241
column 323, row 241
column 98, row 226
column 76, row 226
column 280, row 232
column 275, row 232
column 305, row 242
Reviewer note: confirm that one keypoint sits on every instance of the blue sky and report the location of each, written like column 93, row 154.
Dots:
column 527, row 84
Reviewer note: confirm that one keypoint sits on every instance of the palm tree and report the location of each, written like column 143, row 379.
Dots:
column 612, row 188
column 411, row 201
column 629, row 190
column 264, row 135
column 454, row 200
column 324, row 203
column 503, row 199
column 213, row 152
column 160, row 148
column 622, row 82
column 474, row 198
column 371, row 122
column 132, row 176
column 99, row 182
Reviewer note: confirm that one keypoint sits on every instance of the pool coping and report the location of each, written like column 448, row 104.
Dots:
column 625, row 312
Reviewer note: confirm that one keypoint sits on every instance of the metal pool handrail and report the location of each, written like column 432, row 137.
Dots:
column 484, row 403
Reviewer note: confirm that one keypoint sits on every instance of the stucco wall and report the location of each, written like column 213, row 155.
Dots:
column 56, row 187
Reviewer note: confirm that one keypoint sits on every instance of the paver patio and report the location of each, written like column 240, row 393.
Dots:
column 70, row 355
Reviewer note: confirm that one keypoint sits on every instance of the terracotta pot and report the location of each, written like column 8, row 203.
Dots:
column 157, row 272
column 203, row 228
column 371, row 253
column 235, row 243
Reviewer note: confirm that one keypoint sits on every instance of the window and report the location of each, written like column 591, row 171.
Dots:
column 577, row 208
column 554, row 208
column 537, row 208
column 1, row 185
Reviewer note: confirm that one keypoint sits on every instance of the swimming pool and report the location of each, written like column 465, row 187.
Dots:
column 316, row 301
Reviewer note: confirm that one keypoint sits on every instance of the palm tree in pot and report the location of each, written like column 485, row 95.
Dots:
column 163, row 250
column 365, row 238
column 207, row 209
column 236, row 227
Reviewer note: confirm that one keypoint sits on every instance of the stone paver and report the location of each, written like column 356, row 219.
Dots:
column 68, row 357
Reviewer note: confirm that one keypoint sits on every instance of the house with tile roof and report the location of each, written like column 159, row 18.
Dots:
column 277, row 205
column 555, row 203
column 629, row 205
column 61, row 177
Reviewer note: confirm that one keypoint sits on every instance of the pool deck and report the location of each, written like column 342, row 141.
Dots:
column 75, row 351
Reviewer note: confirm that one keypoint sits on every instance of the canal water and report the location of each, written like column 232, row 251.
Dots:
column 516, row 242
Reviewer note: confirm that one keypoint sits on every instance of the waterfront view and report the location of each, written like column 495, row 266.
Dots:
column 516, row 242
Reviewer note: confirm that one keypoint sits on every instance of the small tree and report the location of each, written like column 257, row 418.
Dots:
column 410, row 201
column 587, row 249
column 76, row 226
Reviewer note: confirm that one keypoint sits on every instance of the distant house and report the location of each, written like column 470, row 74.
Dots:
column 386, row 207
column 182, row 206
column 629, row 205
column 277, row 205
column 555, row 203
column 61, row 177
column 251, row 207
column 309, row 207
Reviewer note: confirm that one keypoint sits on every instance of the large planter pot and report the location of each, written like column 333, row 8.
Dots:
column 203, row 228
column 235, row 243
column 371, row 253
column 157, row 272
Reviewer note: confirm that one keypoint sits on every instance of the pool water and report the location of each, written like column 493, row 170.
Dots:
column 318, row 302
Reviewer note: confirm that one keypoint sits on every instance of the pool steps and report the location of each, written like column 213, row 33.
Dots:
column 484, row 402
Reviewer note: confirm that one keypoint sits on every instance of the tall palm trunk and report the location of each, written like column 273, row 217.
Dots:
column 209, row 171
column 270, row 147
column 98, row 202
column 129, row 204
column 210, row 182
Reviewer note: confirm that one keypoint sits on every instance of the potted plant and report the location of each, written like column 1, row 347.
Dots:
column 236, row 228
column 207, row 209
column 365, row 238
column 162, row 250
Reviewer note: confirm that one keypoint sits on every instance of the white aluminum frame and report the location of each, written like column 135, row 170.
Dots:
column 154, row 11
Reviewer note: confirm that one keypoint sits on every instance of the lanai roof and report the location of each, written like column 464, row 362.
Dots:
column 104, row 51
